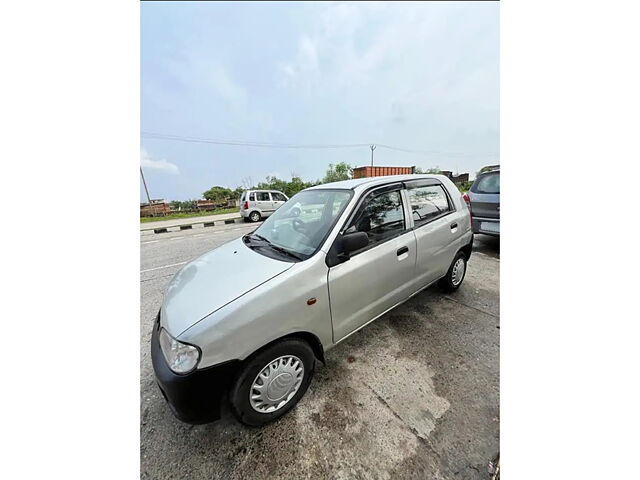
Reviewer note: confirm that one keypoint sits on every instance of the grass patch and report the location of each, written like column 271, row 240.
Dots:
column 178, row 215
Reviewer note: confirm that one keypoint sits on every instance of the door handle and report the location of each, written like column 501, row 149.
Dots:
column 402, row 251
column 454, row 225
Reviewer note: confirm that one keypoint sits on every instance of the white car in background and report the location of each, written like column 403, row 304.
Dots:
column 258, row 204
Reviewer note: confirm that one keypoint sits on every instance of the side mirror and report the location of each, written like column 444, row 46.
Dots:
column 354, row 241
column 344, row 245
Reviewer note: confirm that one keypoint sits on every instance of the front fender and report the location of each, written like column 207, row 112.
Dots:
column 274, row 309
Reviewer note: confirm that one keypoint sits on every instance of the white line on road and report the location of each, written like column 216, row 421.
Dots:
column 198, row 234
column 152, row 241
column 166, row 266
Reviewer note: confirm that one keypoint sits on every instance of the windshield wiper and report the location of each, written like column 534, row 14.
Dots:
column 260, row 237
column 274, row 247
column 285, row 251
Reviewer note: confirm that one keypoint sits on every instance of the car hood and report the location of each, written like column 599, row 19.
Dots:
column 213, row 280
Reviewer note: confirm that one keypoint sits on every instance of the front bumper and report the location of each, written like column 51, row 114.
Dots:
column 478, row 227
column 197, row 396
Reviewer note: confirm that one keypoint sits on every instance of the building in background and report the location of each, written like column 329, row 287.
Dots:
column 369, row 171
column 158, row 207
column 457, row 179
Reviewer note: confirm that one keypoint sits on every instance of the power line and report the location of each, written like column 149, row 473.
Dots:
column 161, row 136
column 244, row 143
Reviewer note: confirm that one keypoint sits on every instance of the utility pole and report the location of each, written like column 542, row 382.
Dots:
column 144, row 182
column 372, row 147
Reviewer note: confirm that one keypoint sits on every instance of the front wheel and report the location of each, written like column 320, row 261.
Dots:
column 455, row 275
column 272, row 382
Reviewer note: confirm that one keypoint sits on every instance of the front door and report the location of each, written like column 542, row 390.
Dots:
column 278, row 199
column 380, row 275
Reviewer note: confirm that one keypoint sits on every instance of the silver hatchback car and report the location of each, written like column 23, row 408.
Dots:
column 249, row 320
column 258, row 204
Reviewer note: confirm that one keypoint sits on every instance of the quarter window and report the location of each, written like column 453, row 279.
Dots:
column 380, row 216
column 263, row 196
column 427, row 203
column 252, row 197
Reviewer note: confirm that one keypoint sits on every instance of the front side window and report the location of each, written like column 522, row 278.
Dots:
column 263, row 196
column 278, row 197
column 380, row 216
column 427, row 203
column 298, row 228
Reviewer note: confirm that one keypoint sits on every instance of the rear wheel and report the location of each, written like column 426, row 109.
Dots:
column 255, row 216
column 272, row 382
column 455, row 275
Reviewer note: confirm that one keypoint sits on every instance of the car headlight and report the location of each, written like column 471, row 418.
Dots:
column 182, row 358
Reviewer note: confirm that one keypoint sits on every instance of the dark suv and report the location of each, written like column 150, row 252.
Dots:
column 484, row 201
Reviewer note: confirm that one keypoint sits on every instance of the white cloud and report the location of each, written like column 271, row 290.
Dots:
column 161, row 165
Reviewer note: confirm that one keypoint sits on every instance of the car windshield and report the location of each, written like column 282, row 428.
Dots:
column 299, row 227
column 488, row 183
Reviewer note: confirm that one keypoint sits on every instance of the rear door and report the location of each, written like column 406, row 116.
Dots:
column 436, row 227
column 378, row 276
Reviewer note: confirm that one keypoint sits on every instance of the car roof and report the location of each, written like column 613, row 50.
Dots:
column 367, row 182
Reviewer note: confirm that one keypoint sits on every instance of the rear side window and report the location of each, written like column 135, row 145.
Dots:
column 278, row 197
column 263, row 196
column 252, row 197
column 427, row 203
column 380, row 216
column 488, row 183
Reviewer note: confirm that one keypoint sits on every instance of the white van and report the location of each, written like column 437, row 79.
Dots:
column 258, row 204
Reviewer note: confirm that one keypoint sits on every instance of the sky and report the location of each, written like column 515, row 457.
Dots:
column 416, row 76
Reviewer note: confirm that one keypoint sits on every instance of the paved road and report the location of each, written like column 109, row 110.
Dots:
column 413, row 395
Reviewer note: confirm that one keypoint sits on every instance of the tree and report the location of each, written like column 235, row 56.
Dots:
column 465, row 186
column 237, row 193
column 418, row 170
column 288, row 188
column 434, row 170
column 337, row 172
column 218, row 194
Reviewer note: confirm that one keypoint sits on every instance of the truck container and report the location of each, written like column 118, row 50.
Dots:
column 371, row 171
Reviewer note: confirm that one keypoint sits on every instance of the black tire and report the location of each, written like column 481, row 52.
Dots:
column 240, row 390
column 255, row 216
column 447, row 282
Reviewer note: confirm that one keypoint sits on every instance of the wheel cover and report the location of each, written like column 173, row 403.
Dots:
column 276, row 384
column 255, row 216
column 457, row 273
